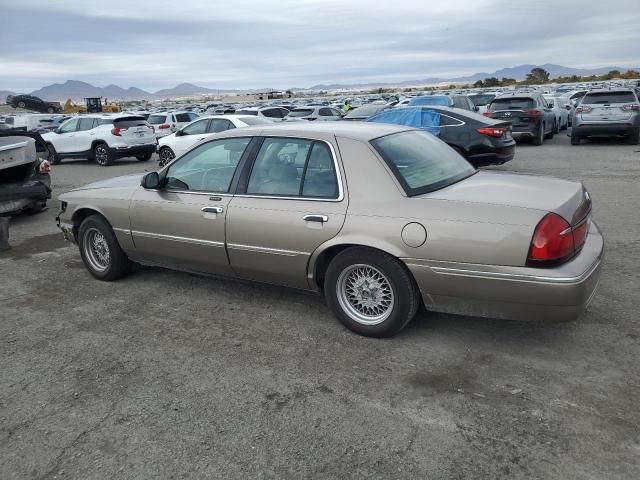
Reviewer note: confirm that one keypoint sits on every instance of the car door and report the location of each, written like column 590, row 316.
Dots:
column 64, row 140
column 189, row 136
column 85, row 134
column 182, row 225
column 289, row 204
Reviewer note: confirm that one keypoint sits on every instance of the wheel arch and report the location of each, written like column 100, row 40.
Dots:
column 80, row 214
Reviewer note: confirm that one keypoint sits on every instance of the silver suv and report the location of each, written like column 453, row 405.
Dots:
column 607, row 113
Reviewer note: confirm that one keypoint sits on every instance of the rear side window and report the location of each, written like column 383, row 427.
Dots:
column 609, row 97
column 300, row 112
column 481, row 100
column 220, row 125
column 184, row 117
column 512, row 104
column 156, row 119
column 86, row 124
column 271, row 113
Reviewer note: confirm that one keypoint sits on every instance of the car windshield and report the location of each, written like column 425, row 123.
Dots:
column 247, row 112
column 300, row 112
column 156, row 119
column 254, row 120
column 511, row 104
column 421, row 162
column 609, row 97
column 481, row 100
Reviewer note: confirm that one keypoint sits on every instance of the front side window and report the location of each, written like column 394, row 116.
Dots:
column 421, row 162
column 70, row 126
column 294, row 167
column 208, row 168
column 195, row 128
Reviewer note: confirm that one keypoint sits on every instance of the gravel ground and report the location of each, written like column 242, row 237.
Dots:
column 169, row 375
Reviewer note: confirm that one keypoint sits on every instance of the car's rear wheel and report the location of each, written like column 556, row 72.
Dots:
column 551, row 132
column 575, row 139
column 51, row 110
column 634, row 138
column 100, row 250
column 556, row 127
column 371, row 292
column 54, row 158
column 539, row 138
column 144, row 158
column 21, row 105
column 166, row 155
column 103, row 155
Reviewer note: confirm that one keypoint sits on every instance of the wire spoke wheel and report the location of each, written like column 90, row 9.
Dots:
column 365, row 294
column 96, row 250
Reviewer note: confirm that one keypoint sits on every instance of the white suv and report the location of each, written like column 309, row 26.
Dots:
column 103, row 138
column 166, row 123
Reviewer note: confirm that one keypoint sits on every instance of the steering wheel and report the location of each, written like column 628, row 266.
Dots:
column 213, row 187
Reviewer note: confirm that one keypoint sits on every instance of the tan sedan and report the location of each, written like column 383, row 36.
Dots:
column 377, row 218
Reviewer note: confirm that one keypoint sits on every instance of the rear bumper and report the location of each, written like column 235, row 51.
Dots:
column 499, row 155
column 603, row 129
column 515, row 293
column 120, row 152
column 16, row 197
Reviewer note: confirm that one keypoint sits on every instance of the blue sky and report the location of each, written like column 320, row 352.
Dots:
column 299, row 43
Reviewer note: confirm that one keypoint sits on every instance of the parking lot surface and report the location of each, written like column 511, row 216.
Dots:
column 171, row 375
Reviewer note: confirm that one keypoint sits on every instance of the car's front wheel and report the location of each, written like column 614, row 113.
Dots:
column 575, row 139
column 371, row 292
column 54, row 158
column 634, row 138
column 22, row 105
column 166, row 155
column 100, row 250
column 103, row 155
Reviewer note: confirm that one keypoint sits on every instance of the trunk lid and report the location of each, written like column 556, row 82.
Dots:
column 568, row 199
column 138, row 135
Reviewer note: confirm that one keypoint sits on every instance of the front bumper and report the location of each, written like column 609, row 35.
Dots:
column 516, row 293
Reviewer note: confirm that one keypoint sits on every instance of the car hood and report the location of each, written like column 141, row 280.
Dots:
column 568, row 199
column 127, row 181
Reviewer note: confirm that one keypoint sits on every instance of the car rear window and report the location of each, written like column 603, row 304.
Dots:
column 481, row 100
column 126, row 122
column 156, row 119
column 300, row 112
column 512, row 104
column 185, row 117
column 609, row 97
column 247, row 112
column 421, row 162
column 255, row 120
column 441, row 100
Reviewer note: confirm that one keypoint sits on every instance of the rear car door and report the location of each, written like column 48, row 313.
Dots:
column 85, row 134
column 182, row 225
column 289, row 201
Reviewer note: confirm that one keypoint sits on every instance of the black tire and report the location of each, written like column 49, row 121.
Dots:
column 634, row 138
column 397, row 279
column 117, row 265
column 556, row 128
column 54, row 158
column 551, row 133
column 21, row 105
column 103, row 155
column 575, row 139
column 166, row 155
column 51, row 110
column 539, row 138
column 144, row 158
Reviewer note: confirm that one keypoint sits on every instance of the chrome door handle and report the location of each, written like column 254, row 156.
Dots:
column 212, row 209
column 316, row 218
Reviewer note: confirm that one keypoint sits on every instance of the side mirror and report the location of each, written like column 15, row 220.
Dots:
column 179, row 133
column 173, row 129
column 57, row 130
column 151, row 181
column 476, row 108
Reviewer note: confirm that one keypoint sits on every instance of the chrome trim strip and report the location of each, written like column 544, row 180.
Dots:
column 122, row 230
column 514, row 276
column 272, row 251
column 175, row 238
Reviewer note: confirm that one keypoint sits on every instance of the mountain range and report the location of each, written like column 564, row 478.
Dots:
column 76, row 89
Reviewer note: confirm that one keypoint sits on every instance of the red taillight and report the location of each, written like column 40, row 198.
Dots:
column 583, row 109
column 488, row 114
column 117, row 131
column 533, row 112
column 632, row 107
column 554, row 240
column 45, row 167
column 164, row 126
column 492, row 131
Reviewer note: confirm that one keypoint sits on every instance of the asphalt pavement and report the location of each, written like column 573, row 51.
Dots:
column 170, row 375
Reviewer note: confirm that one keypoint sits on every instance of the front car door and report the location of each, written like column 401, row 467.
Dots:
column 288, row 203
column 65, row 137
column 182, row 225
column 189, row 136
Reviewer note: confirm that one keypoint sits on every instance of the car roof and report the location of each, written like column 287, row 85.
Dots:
column 611, row 90
column 360, row 131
